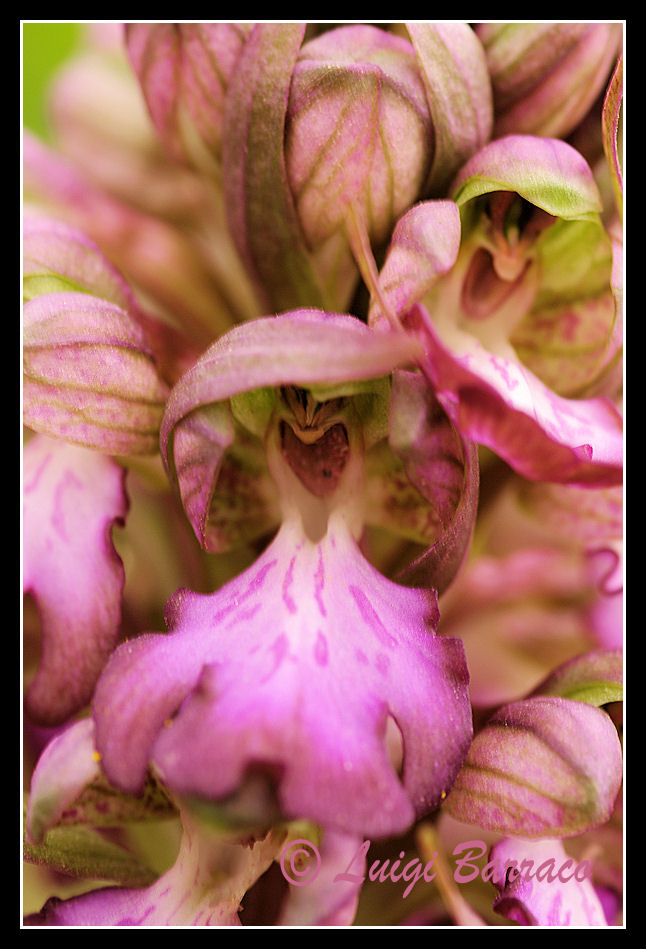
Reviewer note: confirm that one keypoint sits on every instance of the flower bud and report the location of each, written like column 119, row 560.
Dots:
column 184, row 70
column 358, row 130
column 545, row 76
column 355, row 126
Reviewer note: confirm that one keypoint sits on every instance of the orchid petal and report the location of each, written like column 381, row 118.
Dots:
column 571, row 511
column 257, row 674
column 71, row 500
column 424, row 246
column 443, row 467
column 68, row 787
column 359, row 131
column 594, row 519
column 65, row 768
column 548, row 173
column 327, row 901
column 548, row 893
column 543, row 436
column 529, row 772
column 90, row 376
column 57, row 258
column 458, row 88
column 565, row 336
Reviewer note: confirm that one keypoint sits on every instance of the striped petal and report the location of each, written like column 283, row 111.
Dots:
column 89, row 375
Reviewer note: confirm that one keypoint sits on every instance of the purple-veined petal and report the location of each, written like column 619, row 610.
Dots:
column 359, row 131
column 90, row 375
column 458, row 89
column 184, row 70
column 60, row 258
column 424, row 246
column 529, row 772
column 443, row 467
column 551, row 889
column 567, row 346
column 72, row 498
column 543, row 436
column 296, row 665
column 306, row 347
column 57, row 257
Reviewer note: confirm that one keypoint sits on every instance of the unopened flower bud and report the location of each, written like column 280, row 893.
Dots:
column 184, row 69
column 358, row 130
column 545, row 76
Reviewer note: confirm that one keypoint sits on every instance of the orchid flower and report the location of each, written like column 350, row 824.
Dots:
column 298, row 664
column 519, row 326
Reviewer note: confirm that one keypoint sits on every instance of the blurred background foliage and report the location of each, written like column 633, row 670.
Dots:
column 45, row 46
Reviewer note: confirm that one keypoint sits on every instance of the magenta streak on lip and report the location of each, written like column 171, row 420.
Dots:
column 287, row 582
column 370, row 617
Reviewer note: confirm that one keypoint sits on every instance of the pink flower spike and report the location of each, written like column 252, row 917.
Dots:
column 72, row 498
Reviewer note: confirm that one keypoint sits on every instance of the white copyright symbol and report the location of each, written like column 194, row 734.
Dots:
column 300, row 862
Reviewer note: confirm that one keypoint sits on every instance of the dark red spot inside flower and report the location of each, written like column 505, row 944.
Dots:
column 319, row 465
